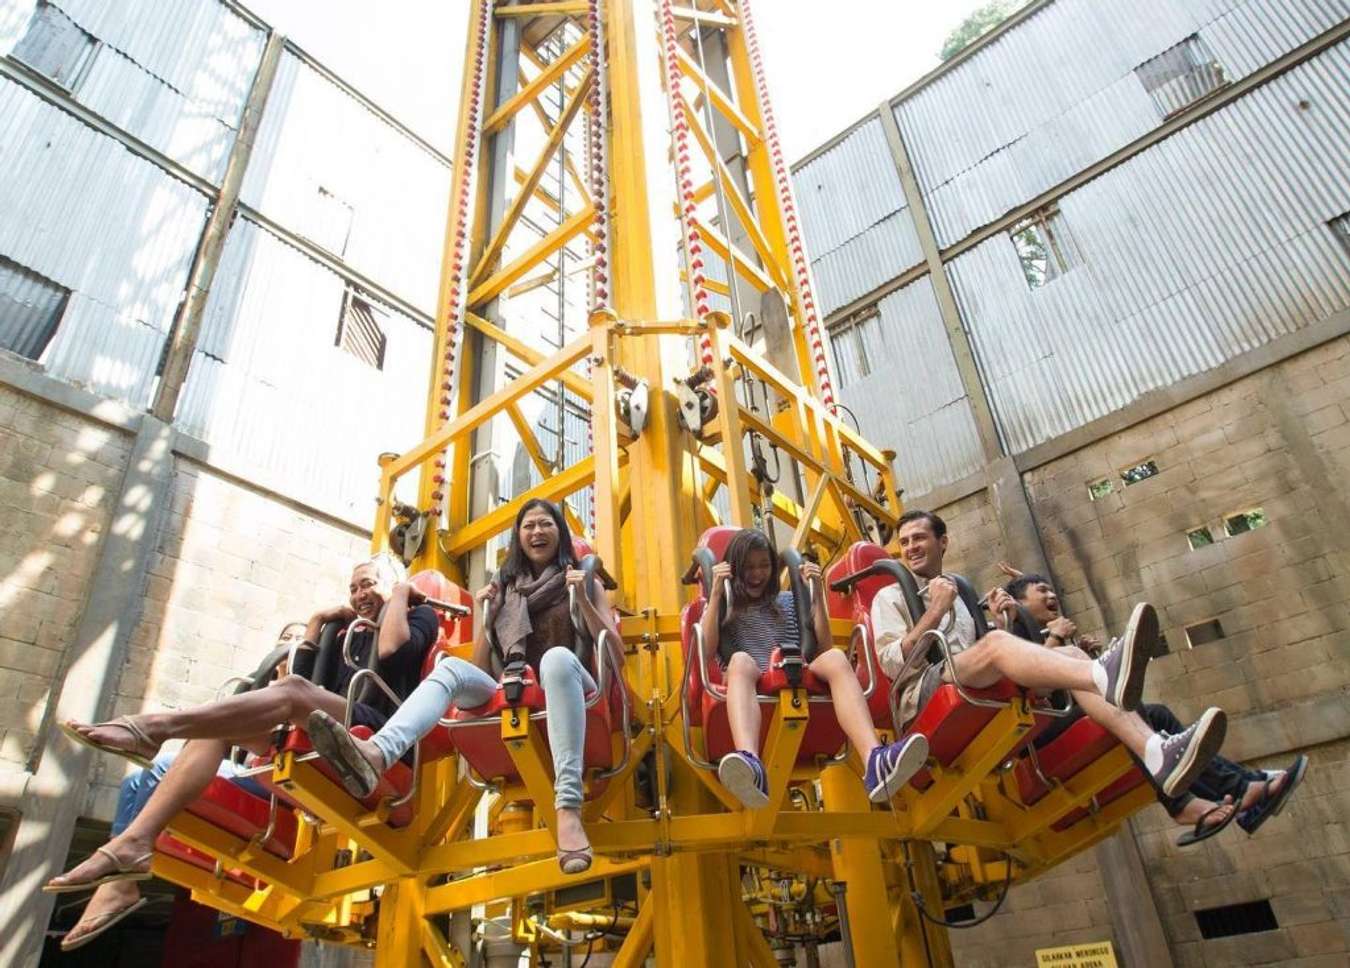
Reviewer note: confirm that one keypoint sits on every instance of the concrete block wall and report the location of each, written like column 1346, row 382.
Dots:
column 59, row 473
column 1277, row 439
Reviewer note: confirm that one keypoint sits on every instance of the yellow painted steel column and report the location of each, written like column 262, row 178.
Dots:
column 696, row 897
column 921, row 941
column 398, row 942
column 858, row 864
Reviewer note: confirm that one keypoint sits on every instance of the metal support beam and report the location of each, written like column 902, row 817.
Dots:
column 187, row 326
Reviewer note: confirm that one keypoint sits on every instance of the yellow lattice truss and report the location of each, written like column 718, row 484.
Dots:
column 679, row 213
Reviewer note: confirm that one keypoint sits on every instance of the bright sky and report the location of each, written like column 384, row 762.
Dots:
column 825, row 71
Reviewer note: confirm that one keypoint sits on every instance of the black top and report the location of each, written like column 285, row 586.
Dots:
column 402, row 670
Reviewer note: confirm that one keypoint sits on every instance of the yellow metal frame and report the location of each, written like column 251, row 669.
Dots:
column 683, row 836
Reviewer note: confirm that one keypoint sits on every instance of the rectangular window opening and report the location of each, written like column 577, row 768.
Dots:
column 361, row 328
column 31, row 307
column 1100, row 489
column 56, row 46
column 1181, row 75
column 1199, row 538
column 1203, row 633
column 1245, row 521
column 1340, row 227
column 1044, row 247
column 1233, row 919
column 957, row 915
column 856, row 342
column 1139, row 472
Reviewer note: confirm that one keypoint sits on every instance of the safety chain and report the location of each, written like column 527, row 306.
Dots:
column 684, row 179
column 801, row 271
column 460, row 233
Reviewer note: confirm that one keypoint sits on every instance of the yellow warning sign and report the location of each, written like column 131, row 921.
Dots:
column 1097, row 954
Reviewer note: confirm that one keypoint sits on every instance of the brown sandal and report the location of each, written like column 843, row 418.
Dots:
column 104, row 921
column 576, row 861
column 147, row 749
column 121, row 872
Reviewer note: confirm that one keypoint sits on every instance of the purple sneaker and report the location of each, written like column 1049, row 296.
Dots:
column 890, row 767
column 743, row 774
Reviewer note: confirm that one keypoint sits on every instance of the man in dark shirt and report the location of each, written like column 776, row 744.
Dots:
column 407, row 629
column 1222, row 788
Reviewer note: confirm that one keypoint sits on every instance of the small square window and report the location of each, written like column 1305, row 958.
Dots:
column 1199, row 538
column 361, row 328
column 1100, row 489
column 1138, row 472
column 1181, row 75
column 56, row 46
column 1245, row 521
column 1202, row 633
column 1340, row 227
column 31, row 308
column 1044, row 248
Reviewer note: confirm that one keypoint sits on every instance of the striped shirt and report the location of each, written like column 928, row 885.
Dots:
column 758, row 629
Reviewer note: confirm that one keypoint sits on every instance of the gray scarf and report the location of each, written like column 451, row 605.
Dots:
column 522, row 599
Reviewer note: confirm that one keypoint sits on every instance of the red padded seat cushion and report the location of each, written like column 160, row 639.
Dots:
column 951, row 724
column 395, row 782
column 236, row 811
column 1079, row 746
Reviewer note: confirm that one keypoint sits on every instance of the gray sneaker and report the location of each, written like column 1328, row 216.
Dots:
column 1127, row 660
column 1186, row 754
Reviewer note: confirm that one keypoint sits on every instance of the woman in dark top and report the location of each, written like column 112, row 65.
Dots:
column 533, row 627
column 761, row 619
column 248, row 719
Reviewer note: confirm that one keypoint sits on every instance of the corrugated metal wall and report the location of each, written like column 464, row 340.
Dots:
column 173, row 73
column 855, row 218
column 913, row 400
column 323, row 157
column 1024, row 113
column 268, row 390
column 78, row 208
column 1190, row 258
column 277, row 400
column 1198, row 250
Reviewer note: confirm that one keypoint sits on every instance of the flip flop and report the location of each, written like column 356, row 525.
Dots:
column 105, row 921
column 335, row 745
column 575, row 861
column 1203, row 832
column 121, row 872
column 1270, row 804
column 121, row 722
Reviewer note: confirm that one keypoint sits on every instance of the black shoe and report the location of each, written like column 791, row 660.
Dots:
column 1186, row 754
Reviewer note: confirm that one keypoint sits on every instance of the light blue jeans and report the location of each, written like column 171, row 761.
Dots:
column 136, row 789
column 565, row 683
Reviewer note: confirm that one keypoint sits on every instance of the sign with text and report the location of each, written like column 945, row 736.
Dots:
column 1096, row 954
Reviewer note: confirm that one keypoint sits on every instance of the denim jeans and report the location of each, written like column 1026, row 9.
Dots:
column 136, row 789
column 564, row 681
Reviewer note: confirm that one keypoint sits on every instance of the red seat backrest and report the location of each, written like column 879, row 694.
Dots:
column 454, row 631
column 858, row 603
column 716, row 539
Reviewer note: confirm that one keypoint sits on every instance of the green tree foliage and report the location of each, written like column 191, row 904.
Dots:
column 979, row 23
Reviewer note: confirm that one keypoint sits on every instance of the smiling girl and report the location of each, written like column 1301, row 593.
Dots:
column 763, row 618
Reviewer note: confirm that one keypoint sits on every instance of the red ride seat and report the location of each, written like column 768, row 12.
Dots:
column 398, row 779
column 708, row 709
column 477, row 737
column 1076, row 748
column 236, row 811
column 949, row 723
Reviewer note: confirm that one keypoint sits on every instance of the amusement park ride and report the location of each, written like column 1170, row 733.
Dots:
column 700, row 351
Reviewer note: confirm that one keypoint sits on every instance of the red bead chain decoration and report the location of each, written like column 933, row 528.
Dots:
column 797, row 249
column 684, row 178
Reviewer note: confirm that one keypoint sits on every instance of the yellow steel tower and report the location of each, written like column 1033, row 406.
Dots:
column 619, row 158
